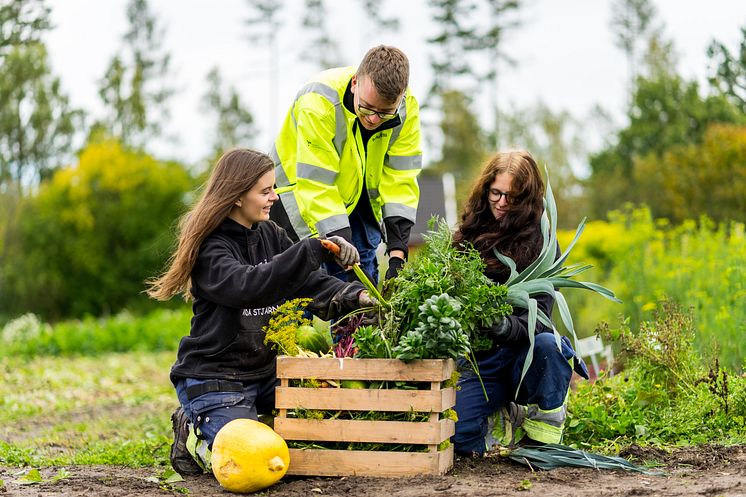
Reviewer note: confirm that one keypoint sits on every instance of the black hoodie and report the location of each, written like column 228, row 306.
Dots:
column 241, row 275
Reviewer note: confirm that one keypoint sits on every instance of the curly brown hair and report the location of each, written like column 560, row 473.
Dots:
column 517, row 233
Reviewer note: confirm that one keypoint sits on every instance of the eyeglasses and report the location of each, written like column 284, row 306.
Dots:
column 497, row 195
column 383, row 116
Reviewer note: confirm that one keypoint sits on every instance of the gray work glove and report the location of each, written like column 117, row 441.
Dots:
column 499, row 332
column 365, row 300
column 348, row 254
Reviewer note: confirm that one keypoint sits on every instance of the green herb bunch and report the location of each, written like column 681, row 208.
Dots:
column 438, row 333
column 442, row 268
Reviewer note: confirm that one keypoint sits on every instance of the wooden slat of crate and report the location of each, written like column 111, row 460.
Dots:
column 349, row 430
column 350, row 399
column 312, row 462
column 364, row 369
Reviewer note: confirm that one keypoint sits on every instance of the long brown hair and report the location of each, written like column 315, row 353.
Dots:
column 234, row 174
column 518, row 233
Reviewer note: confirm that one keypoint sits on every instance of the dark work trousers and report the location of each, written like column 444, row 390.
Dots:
column 211, row 411
column 366, row 236
column 546, row 384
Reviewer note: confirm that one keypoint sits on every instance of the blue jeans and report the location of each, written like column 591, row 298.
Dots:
column 211, row 411
column 366, row 236
column 546, row 384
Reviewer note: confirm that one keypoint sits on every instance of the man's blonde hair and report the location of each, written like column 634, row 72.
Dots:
column 388, row 70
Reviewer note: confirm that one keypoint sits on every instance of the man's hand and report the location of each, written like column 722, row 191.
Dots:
column 365, row 300
column 395, row 265
column 348, row 254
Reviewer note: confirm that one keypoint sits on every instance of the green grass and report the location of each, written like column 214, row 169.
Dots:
column 111, row 409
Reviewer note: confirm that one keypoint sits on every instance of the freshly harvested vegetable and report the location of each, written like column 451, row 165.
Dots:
column 356, row 384
column 438, row 333
column 248, row 456
column 281, row 332
column 311, row 339
column 334, row 249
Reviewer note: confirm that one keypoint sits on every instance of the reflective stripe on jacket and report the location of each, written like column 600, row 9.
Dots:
column 320, row 159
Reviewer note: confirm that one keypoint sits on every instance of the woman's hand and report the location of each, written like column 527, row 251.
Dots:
column 366, row 300
column 347, row 255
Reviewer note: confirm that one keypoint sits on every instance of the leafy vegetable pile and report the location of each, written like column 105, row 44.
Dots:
column 441, row 300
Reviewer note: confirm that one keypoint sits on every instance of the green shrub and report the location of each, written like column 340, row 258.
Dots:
column 666, row 394
column 696, row 264
column 88, row 238
column 162, row 329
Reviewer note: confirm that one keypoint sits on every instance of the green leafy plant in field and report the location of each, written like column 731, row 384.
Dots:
column 666, row 394
column 27, row 336
column 440, row 268
column 438, row 333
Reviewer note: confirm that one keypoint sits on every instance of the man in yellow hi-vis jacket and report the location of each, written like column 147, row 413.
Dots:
column 347, row 159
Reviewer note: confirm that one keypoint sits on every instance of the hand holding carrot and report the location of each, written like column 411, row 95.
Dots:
column 336, row 250
column 345, row 253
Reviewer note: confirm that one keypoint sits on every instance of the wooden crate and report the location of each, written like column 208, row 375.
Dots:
column 320, row 462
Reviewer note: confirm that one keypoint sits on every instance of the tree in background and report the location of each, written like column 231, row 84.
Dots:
column 555, row 139
column 135, row 88
column 321, row 50
column 90, row 236
column 632, row 24
column 263, row 24
column 37, row 123
column 235, row 123
column 469, row 37
column 500, row 19
column 729, row 72
column 453, row 19
column 666, row 111
column 375, row 22
column 463, row 152
column 691, row 180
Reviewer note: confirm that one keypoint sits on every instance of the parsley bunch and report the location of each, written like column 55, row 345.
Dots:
column 441, row 268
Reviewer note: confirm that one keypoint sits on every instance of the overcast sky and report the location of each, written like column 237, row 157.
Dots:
column 565, row 52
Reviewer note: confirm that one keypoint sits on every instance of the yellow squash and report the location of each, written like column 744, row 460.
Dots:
column 248, row 456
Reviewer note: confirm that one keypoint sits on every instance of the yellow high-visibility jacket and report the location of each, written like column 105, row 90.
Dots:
column 320, row 160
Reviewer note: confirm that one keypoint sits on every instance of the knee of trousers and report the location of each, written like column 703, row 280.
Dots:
column 469, row 436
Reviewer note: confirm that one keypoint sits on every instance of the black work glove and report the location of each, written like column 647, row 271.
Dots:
column 395, row 265
column 499, row 332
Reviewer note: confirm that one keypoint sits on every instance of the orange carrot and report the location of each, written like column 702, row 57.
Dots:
column 330, row 246
column 334, row 249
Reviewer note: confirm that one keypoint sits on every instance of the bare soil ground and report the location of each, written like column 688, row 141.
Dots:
column 708, row 471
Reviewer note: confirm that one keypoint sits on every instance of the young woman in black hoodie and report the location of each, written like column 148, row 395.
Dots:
column 503, row 213
column 237, row 266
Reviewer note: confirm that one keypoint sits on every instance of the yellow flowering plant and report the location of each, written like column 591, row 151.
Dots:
column 280, row 333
